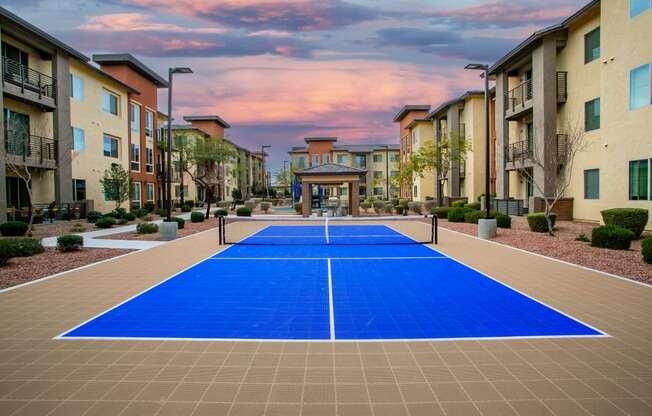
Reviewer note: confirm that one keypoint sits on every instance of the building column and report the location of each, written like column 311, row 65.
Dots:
column 502, row 137
column 3, row 158
column 453, row 122
column 544, row 114
column 355, row 198
column 62, row 130
column 306, row 199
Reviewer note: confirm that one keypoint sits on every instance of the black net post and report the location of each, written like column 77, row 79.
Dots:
column 435, row 225
column 220, row 232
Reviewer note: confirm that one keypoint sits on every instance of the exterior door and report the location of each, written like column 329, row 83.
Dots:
column 17, row 132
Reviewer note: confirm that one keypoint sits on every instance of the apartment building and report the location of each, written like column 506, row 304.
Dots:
column 591, row 71
column 380, row 160
column 35, row 127
column 422, row 187
column 142, row 117
column 404, row 117
column 100, row 131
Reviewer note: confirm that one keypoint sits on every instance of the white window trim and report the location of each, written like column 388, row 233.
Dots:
column 108, row 136
column 147, row 162
column 83, row 133
column 72, row 86
column 117, row 102
column 136, row 185
column 133, row 104
column 153, row 129
column 131, row 157
column 149, row 186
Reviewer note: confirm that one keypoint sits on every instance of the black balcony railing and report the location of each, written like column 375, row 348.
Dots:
column 32, row 150
column 520, row 150
column 28, row 79
column 518, row 96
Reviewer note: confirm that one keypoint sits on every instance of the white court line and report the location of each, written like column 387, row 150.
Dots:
column 326, row 229
column 333, row 258
column 515, row 290
column 331, row 309
column 321, row 236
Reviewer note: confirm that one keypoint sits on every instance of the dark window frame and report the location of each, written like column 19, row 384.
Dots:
column 588, row 52
column 587, row 194
column 589, row 105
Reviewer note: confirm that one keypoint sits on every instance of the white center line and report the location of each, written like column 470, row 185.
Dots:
column 331, row 312
column 326, row 227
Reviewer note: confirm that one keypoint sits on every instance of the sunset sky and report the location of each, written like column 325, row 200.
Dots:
column 281, row 70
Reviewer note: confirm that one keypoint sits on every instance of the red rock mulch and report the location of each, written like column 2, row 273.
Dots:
column 24, row 269
column 626, row 263
column 188, row 229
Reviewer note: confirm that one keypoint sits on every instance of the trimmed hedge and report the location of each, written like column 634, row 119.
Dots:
column 646, row 249
column 456, row 214
column 220, row 212
column 537, row 222
column 472, row 217
column 13, row 228
column 180, row 222
column 93, row 216
column 612, row 236
column 502, row 220
column 428, row 205
column 265, row 206
column 634, row 219
column 19, row 247
column 458, row 204
column 130, row 216
column 473, row 205
column 105, row 222
column 186, row 208
column 146, row 228
column 196, row 217
column 415, row 206
column 140, row 213
column 440, row 212
column 243, row 212
column 69, row 242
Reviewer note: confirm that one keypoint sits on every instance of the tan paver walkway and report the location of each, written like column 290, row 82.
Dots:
column 599, row 376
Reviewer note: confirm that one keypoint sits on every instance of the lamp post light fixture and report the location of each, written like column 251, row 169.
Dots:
column 491, row 224
column 262, row 156
column 171, row 72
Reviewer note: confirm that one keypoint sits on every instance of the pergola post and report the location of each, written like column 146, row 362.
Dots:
column 306, row 199
column 355, row 198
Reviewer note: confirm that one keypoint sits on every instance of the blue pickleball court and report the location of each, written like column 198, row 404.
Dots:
column 330, row 282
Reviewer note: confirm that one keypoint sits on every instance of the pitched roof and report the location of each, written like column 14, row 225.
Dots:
column 214, row 118
column 133, row 63
column 109, row 77
column 331, row 169
column 353, row 148
column 406, row 109
column 444, row 106
column 320, row 139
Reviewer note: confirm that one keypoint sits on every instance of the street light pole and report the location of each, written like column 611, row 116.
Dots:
column 262, row 155
column 285, row 178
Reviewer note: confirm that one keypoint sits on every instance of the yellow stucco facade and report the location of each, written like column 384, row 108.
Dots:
column 423, row 186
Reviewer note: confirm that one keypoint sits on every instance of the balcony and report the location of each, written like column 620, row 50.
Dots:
column 523, row 151
column 30, row 150
column 518, row 100
column 27, row 84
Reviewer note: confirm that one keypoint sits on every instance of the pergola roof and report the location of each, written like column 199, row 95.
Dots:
column 331, row 169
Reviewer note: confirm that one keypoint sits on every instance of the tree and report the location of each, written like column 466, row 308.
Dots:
column 207, row 155
column 23, row 172
column 558, row 159
column 437, row 157
column 116, row 184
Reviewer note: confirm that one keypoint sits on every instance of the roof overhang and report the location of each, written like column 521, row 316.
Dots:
column 214, row 118
column 409, row 108
column 128, row 59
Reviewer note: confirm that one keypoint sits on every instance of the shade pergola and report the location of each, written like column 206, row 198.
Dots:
column 331, row 174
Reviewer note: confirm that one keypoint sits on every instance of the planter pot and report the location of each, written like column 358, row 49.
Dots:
column 487, row 228
column 168, row 230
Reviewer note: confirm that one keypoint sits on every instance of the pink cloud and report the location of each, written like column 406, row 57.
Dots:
column 126, row 22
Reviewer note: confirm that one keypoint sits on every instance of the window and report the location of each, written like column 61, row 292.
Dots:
column 149, row 188
column 109, row 102
column 76, row 87
column 149, row 123
column 394, row 174
column 326, row 158
column 378, row 191
column 361, row 161
column 315, row 160
column 149, row 160
column 378, row 158
column 110, row 146
column 78, row 140
column 134, row 116
column 135, row 156
column 393, row 157
column 639, row 180
column 343, row 159
column 15, row 54
column 177, row 190
column 592, row 184
column 135, row 194
column 414, row 137
column 592, row 46
column 639, row 87
column 592, row 115
column 378, row 174
column 637, row 7
column 79, row 189
column 415, row 191
column 300, row 162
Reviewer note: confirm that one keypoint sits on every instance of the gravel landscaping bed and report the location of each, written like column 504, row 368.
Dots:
column 189, row 229
column 626, row 263
column 24, row 269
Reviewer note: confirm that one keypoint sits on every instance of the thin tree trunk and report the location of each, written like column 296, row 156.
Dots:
column 209, row 196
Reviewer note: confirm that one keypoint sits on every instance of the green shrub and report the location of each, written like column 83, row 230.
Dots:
column 93, row 216
column 646, row 249
column 220, row 212
column 105, row 222
column 475, row 206
column 389, row 208
column 180, row 222
column 265, row 206
column 149, row 206
column 161, row 212
column 634, row 219
column 612, row 236
column 365, row 206
column 502, row 220
column 298, row 207
column 243, row 212
column 400, row 210
column 196, row 217
column 146, row 228
column 139, row 212
column 458, row 204
column 7, row 251
column 428, row 205
column 77, row 228
column 472, row 217
column 118, row 213
column 537, row 221
column 415, row 206
column 25, row 247
column 379, row 206
column 130, row 216
column 251, row 204
column 13, row 228
column 121, row 221
column 186, row 208
column 583, row 238
column 69, row 242
column 456, row 214
column 440, row 212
